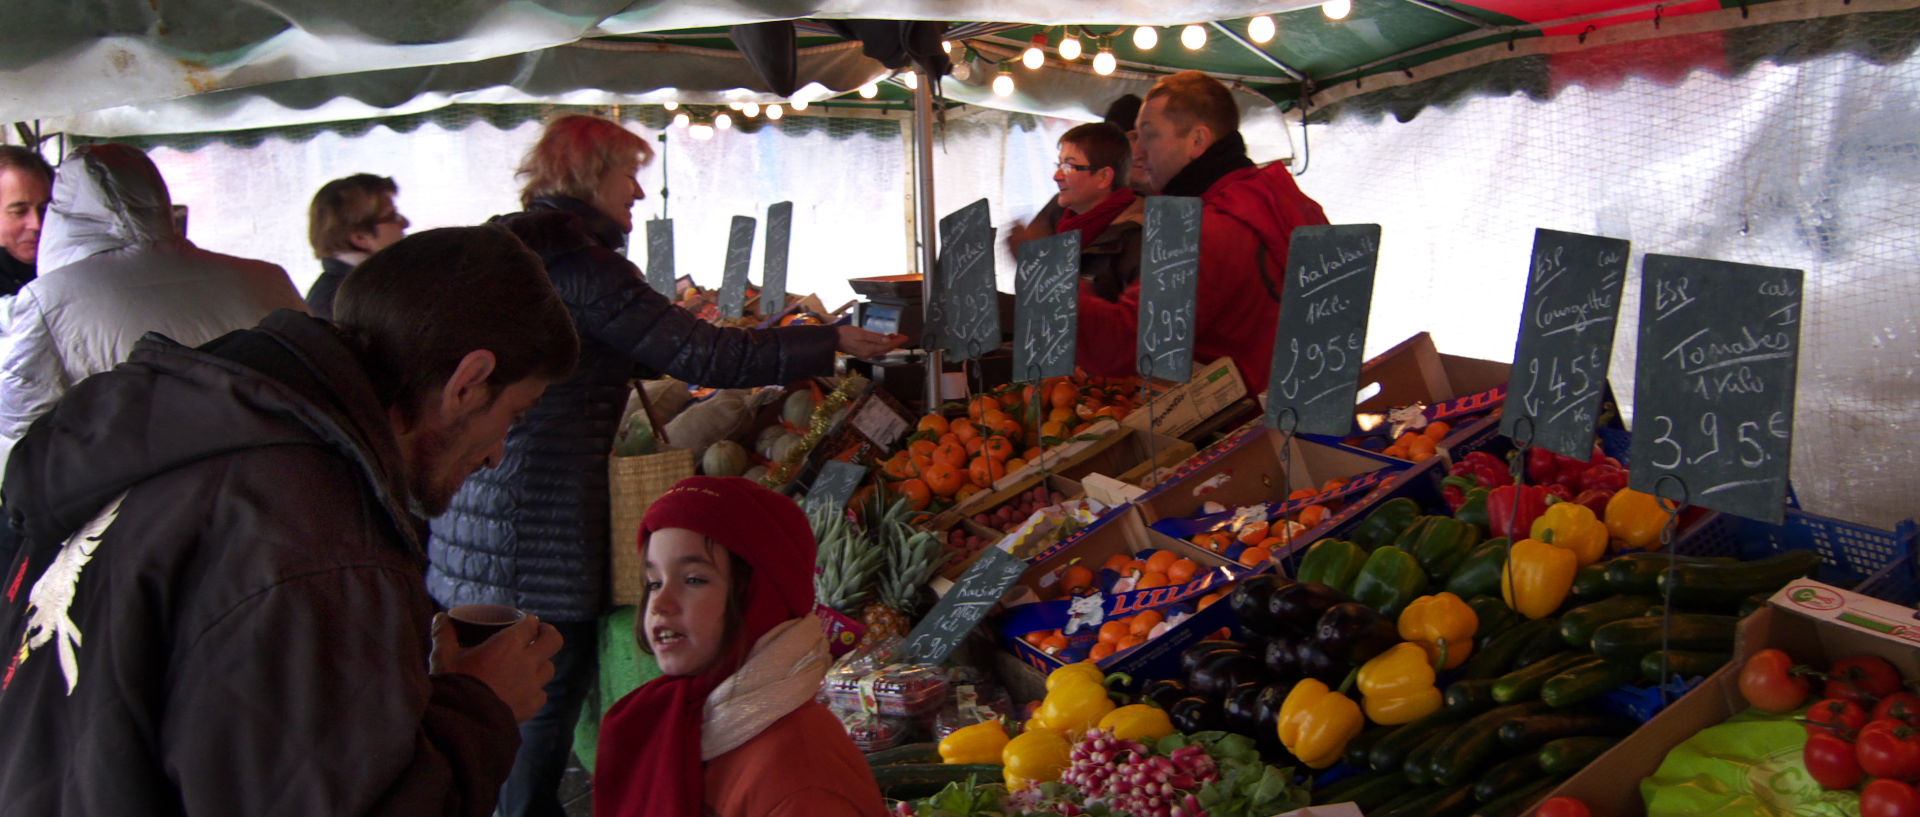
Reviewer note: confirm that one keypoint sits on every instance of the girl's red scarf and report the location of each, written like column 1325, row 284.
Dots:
column 1094, row 221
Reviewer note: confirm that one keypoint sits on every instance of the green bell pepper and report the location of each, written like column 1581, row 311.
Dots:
column 1385, row 523
column 1333, row 562
column 1390, row 580
column 1440, row 543
column 1479, row 574
column 1474, row 510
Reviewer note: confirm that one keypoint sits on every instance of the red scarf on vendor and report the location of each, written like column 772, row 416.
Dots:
column 1094, row 221
column 649, row 761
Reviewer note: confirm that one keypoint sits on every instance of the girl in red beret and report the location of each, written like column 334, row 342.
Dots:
column 731, row 728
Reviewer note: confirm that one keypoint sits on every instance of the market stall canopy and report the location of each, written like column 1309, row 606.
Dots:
column 123, row 67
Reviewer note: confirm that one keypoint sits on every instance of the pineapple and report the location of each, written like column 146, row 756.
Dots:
column 847, row 561
column 909, row 558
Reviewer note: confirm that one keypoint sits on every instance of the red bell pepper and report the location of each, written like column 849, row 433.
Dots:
column 1544, row 467
column 1476, row 470
column 1609, row 478
column 1511, row 509
column 1596, row 500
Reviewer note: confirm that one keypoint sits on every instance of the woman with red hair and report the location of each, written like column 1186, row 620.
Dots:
column 731, row 728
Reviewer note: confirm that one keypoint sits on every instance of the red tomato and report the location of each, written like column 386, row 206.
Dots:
column 1838, row 717
column 1862, row 678
column 1832, row 763
column 1563, row 807
column 1889, row 749
column 1889, row 798
column 1900, row 706
column 1769, row 683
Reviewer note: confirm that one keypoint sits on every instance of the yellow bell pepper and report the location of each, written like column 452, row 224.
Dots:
column 1397, row 685
column 1138, row 722
column 1635, row 519
column 1443, row 625
column 1316, row 723
column 1074, row 706
column 1084, row 670
column 979, row 743
column 1035, row 757
column 1537, row 577
column 1573, row 526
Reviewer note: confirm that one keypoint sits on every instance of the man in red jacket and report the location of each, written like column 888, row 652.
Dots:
column 1189, row 142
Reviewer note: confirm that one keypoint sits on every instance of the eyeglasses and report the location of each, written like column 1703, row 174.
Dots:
column 1069, row 167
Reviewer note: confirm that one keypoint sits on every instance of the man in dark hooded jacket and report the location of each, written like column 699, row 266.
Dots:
column 219, row 605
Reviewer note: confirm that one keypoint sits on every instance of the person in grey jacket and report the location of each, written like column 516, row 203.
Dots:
column 113, row 267
column 533, row 532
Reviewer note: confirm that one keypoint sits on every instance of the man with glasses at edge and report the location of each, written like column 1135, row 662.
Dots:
column 349, row 219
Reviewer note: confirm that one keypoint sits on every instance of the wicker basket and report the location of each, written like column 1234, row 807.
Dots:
column 634, row 483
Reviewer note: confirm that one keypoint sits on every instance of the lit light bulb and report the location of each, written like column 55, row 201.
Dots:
column 1260, row 29
column 1336, row 9
column 701, row 132
column 751, row 109
column 723, row 122
column 912, row 80
column 681, row 120
column 799, row 105
column 1070, row 48
column 1033, row 58
column 946, row 46
column 1145, row 38
column 735, row 105
column 1003, row 84
column 774, row 112
column 869, row 91
column 1194, row 37
column 1104, row 62
column 671, row 106
column 962, row 71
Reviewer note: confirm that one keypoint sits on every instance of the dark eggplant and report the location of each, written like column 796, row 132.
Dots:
column 1249, row 603
column 1280, row 659
column 1164, row 692
column 1243, row 708
column 1268, row 704
column 1297, row 607
column 1314, row 662
column 1222, row 670
column 1196, row 714
column 1352, row 632
column 1190, row 660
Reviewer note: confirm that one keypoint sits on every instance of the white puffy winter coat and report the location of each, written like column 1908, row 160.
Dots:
column 113, row 268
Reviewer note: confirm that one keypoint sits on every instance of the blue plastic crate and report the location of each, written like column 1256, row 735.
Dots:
column 1895, row 583
column 1850, row 552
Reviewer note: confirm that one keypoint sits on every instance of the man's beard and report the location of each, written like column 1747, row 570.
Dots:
column 428, row 494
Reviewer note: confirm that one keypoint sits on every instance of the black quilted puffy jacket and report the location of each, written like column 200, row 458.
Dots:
column 533, row 531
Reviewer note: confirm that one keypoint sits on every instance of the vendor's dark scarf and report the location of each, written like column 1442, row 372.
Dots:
column 1225, row 156
column 1094, row 221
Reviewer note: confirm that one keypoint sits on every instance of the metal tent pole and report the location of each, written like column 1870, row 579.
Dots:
column 924, row 223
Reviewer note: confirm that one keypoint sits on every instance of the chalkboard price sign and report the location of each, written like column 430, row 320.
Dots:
column 660, row 256
column 773, row 269
column 966, row 310
column 835, row 485
column 1565, row 349
column 1323, row 327
column 1169, row 277
column 963, row 607
column 1046, row 307
column 733, row 283
column 1714, row 383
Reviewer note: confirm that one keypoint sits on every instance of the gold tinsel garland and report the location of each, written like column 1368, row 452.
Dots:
column 817, row 427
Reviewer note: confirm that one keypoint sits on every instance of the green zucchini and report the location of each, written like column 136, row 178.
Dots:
column 1727, row 584
column 1543, row 645
column 1408, row 796
column 1586, row 680
column 1468, row 696
column 1569, row 755
column 1577, row 625
column 1753, row 603
column 1454, row 801
column 1495, row 617
column 1639, row 573
column 1524, row 683
column 1391, row 752
column 1531, row 731
column 1362, row 744
column 912, row 781
column 1507, row 775
column 1368, row 791
column 1590, row 582
column 905, row 753
column 1685, row 663
column 1418, row 767
column 1465, row 749
column 1515, row 803
column 1628, row 640
column 1493, row 660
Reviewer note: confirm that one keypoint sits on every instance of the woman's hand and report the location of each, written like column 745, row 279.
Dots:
column 864, row 344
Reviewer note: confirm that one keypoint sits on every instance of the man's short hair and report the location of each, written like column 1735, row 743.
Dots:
column 1105, row 146
column 416, row 308
column 1193, row 98
column 344, row 207
column 26, row 159
column 573, row 153
column 1123, row 112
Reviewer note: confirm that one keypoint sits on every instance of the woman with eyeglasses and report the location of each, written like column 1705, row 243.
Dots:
column 1095, row 199
column 350, row 218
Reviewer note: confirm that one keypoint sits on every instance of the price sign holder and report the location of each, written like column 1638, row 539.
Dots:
column 1565, row 348
column 1169, row 283
column 1046, row 306
column 733, row 283
column 773, row 259
column 1322, row 331
column 965, row 311
column 956, row 614
column 660, row 256
column 833, row 487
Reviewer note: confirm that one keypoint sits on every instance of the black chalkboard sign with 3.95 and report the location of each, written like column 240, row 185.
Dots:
column 1565, row 349
column 733, row 283
column 962, row 608
column 1323, row 327
column 660, row 256
column 1169, row 280
column 1714, row 384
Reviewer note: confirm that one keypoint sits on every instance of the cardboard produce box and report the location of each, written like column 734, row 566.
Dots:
column 1813, row 622
column 1464, row 392
column 1245, row 469
column 1181, row 409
